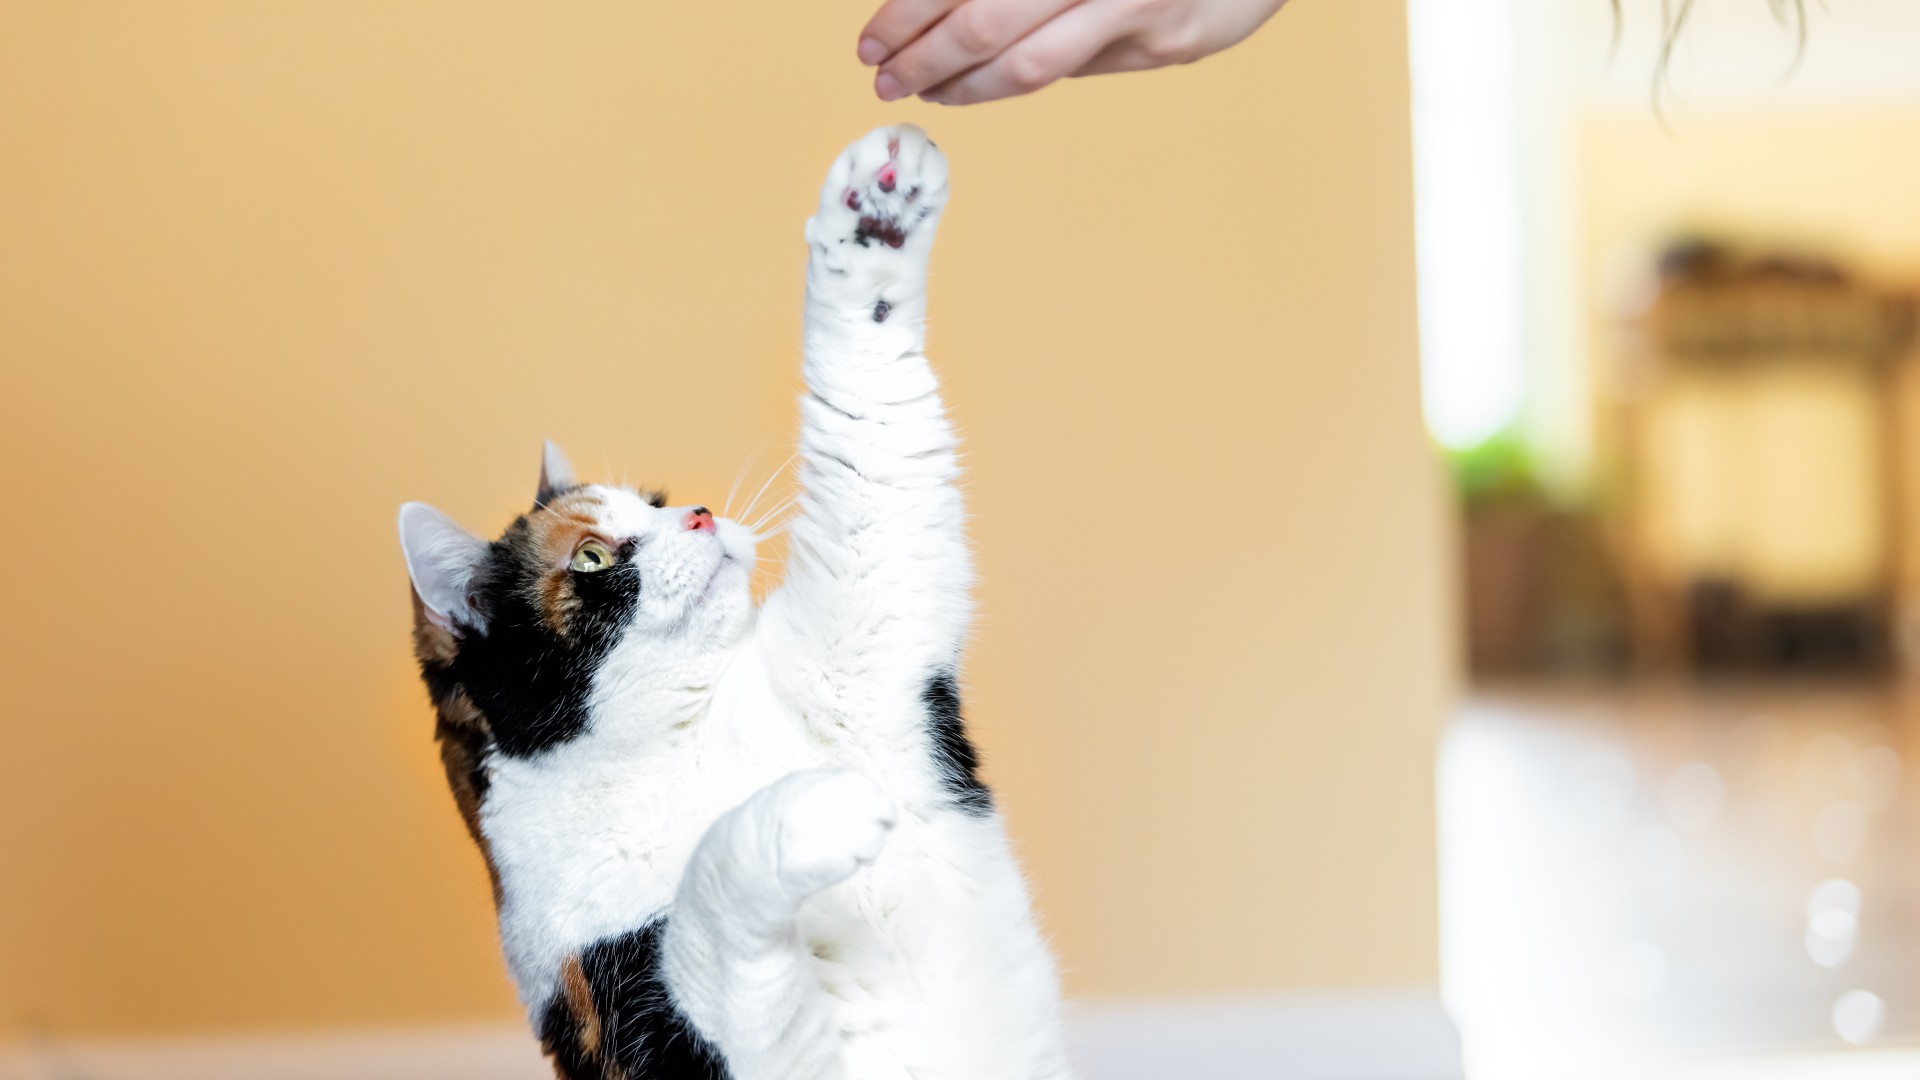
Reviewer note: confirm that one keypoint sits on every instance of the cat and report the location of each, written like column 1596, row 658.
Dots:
column 740, row 843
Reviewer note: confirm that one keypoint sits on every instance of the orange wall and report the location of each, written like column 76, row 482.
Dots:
column 268, row 270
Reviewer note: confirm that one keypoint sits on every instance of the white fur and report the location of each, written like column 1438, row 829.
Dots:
column 769, row 784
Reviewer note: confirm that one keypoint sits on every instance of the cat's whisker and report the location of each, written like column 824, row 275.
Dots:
column 755, row 501
column 769, row 529
column 726, row 509
column 774, row 514
column 770, row 524
column 767, row 521
column 792, row 500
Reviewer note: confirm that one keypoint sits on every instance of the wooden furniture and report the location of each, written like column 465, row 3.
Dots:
column 1762, row 465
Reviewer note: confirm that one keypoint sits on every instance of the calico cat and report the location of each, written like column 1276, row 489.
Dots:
column 737, row 843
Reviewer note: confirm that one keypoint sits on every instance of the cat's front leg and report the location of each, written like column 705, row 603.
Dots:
column 733, row 957
column 876, row 603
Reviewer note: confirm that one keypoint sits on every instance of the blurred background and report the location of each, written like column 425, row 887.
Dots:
column 1669, row 354
column 1538, row 706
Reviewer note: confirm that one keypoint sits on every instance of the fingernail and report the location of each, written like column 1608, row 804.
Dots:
column 887, row 86
column 872, row 51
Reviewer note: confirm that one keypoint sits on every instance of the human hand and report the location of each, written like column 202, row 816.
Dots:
column 958, row 52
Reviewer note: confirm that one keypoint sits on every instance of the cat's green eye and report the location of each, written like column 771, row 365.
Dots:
column 591, row 556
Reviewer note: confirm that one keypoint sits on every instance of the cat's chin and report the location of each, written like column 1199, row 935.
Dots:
column 729, row 573
column 727, row 602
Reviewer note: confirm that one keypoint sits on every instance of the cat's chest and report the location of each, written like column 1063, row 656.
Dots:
column 565, row 821
column 609, row 819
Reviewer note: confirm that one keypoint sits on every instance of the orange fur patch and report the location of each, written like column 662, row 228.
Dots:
column 553, row 534
column 431, row 644
column 573, row 980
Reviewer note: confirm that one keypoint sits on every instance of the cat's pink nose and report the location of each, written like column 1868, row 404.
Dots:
column 699, row 520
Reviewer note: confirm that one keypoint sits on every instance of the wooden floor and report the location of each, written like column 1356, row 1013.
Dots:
column 1668, row 881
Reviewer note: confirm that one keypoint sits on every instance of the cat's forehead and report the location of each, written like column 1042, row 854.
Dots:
column 611, row 512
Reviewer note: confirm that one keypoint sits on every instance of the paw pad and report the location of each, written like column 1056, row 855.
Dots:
column 886, row 188
column 885, row 230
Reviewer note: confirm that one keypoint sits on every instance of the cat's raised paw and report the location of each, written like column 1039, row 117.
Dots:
column 831, row 823
column 885, row 193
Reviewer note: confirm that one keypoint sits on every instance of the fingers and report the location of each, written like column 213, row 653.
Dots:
column 897, row 24
column 1060, row 48
column 971, row 34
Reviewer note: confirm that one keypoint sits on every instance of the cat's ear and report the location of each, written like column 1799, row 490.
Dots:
column 441, row 558
column 556, row 475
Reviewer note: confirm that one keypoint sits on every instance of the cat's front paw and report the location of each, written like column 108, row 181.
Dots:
column 831, row 823
column 880, row 203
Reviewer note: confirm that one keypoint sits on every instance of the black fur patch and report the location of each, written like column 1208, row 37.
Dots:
column 441, row 684
column 954, row 757
column 641, row 1035
column 531, row 682
column 464, row 727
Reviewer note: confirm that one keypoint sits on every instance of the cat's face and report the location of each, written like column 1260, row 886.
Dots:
column 597, row 561
column 521, row 625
